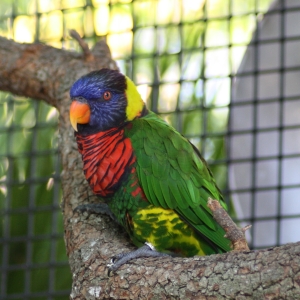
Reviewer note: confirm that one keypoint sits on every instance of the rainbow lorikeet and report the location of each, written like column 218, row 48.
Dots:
column 154, row 181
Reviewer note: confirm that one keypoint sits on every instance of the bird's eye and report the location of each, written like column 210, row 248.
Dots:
column 106, row 95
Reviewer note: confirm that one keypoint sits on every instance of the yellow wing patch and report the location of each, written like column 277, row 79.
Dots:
column 135, row 103
column 166, row 231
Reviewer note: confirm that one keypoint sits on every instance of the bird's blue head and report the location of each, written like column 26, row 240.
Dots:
column 102, row 100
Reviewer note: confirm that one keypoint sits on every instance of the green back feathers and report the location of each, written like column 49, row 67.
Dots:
column 174, row 176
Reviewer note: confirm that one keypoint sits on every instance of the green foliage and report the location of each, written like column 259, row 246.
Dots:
column 30, row 194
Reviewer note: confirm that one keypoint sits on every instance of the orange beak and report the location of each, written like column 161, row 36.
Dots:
column 79, row 113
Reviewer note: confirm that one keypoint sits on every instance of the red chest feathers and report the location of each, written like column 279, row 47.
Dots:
column 107, row 157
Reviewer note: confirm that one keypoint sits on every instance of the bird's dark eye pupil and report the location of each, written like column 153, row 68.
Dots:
column 107, row 95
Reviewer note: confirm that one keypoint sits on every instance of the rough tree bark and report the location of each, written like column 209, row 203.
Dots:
column 46, row 73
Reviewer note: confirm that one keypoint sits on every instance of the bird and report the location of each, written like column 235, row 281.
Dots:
column 148, row 177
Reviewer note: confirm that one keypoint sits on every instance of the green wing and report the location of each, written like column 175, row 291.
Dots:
column 173, row 175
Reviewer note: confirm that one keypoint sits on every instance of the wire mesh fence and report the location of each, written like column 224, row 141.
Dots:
column 264, row 125
column 196, row 64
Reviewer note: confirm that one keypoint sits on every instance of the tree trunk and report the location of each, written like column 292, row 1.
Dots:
column 46, row 73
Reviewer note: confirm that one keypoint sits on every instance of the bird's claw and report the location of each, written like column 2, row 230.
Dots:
column 148, row 250
column 111, row 268
column 113, row 260
column 117, row 257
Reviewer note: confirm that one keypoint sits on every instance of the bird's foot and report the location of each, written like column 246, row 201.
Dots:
column 95, row 208
column 118, row 260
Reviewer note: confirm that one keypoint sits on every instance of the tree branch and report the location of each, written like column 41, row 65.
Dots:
column 43, row 72
column 88, row 55
column 46, row 73
column 235, row 234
